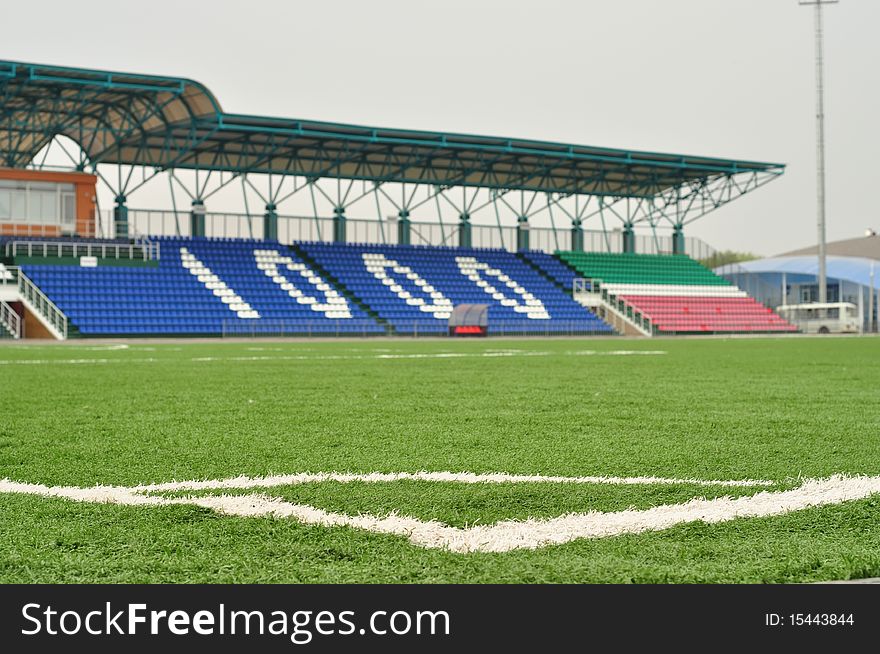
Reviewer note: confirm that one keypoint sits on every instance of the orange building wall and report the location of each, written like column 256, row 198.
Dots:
column 85, row 200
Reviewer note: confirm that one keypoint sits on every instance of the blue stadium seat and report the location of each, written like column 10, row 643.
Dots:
column 415, row 287
column 203, row 286
column 552, row 267
column 213, row 286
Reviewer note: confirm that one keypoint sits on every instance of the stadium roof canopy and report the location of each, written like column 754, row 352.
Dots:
column 170, row 123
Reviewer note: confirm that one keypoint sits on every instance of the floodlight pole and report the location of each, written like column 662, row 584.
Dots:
column 820, row 143
column 871, row 293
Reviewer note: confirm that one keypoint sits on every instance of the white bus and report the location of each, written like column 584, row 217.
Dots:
column 822, row 318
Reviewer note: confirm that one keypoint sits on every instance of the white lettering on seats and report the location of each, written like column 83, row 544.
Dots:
column 334, row 306
column 217, row 286
column 526, row 303
column 434, row 302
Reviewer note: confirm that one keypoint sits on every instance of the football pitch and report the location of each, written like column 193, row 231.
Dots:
column 398, row 461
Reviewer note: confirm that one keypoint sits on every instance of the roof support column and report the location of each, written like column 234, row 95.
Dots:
column 404, row 228
column 678, row 239
column 120, row 217
column 522, row 233
column 629, row 238
column 270, row 222
column 577, row 235
column 464, row 230
column 339, row 224
column 197, row 218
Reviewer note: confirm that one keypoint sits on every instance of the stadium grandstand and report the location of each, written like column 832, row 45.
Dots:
column 70, row 268
column 676, row 293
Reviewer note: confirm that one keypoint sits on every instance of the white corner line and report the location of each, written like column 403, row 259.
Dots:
column 502, row 536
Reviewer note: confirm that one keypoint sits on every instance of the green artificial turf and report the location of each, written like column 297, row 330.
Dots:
column 777, row 409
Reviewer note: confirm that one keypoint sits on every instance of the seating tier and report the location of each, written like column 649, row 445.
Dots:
column 213, row 286
column 414, row 288
column 552, row 267
column 202, row 286
column 708, row 314
column 676, row 293
column 642, row 268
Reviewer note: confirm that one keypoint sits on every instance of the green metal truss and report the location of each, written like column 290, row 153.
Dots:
column 162, row 124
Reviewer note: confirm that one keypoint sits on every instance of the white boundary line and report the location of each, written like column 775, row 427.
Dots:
column 490, row 354
column 502, row 536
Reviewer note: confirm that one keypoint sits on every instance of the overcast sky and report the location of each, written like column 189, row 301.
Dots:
column 727, row 78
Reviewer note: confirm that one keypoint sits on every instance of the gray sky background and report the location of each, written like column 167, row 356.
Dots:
column 729, row 78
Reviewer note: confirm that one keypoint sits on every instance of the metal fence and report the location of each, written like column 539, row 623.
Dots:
column 774, row 289
column 767, row 294
column 307, row 328
column 363, row 328
column 305, row 229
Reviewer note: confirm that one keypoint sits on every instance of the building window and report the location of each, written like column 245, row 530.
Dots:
column 19, row 206
column 38, row 203
column 68, row 210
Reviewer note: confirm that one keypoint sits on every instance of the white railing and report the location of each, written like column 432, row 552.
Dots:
column 621, row 311
column 152, row 249
column 10, row 320
column 143, row 249
column 49, row 314
column 8, row 274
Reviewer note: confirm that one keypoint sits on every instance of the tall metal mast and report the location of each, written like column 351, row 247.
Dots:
column 820, row 143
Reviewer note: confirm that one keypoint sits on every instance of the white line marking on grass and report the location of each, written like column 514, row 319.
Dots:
column 350, row 357
column 332, row 357
column 442, row 477
column 97, row 348
column 502, row 536
column 52, row 362
column 612, row 353
column 97, row 494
